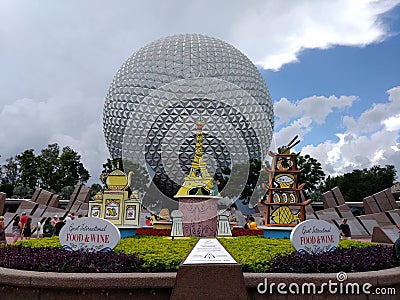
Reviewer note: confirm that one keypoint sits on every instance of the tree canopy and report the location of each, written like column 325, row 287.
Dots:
column 53, row 170
column 312, row 175
column 358, row 184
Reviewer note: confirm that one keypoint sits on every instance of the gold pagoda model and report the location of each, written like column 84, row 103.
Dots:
column 198, row 182
column 285, row 206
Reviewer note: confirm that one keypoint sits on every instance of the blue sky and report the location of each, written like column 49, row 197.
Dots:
column 332, row 68
column 366, row 72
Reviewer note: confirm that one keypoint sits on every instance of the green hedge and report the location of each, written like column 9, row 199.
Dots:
column 161, row 254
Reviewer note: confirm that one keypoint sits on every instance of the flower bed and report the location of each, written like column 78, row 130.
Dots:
column 58, row 260
column 246, row 232
column 372, row 258
column 161, row 254
column 149, row 231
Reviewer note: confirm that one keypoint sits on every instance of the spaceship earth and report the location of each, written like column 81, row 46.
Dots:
column 161, row 91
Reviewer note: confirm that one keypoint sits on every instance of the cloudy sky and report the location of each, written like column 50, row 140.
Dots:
column 332, row 68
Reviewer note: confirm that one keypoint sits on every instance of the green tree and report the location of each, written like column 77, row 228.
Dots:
column 95, row 188
column 109, row 166
column 249, row 190
column 22, row 192
column 71, row 170
column 66, row 192
column 10, row 171
column 362, row 183
column 112, row 164
column 312, row 175
column 9, row 176
column 7, row 188
column 28, row 172
column 48, row 168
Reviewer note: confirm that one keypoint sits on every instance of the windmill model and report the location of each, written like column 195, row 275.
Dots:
column 284, row 206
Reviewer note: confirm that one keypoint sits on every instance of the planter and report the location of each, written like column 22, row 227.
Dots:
column 17, row 284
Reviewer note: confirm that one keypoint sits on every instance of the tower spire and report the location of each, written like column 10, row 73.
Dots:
column 199, row 181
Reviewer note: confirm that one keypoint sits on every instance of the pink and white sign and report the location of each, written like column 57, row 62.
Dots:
column 314, row 236
column 90, row 234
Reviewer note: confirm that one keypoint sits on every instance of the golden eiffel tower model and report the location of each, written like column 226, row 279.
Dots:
column 198, row 182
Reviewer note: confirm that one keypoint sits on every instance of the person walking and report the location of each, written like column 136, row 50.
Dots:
column 16, row 228
column 59, row 225
column 344, row 230
column 2, row 231
column 23, row 220
column 68, row 218
column 47, row 228
column 27, row 229
column 54, row 221
column 396, row 247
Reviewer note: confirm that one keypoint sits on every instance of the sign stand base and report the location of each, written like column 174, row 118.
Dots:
column 209, row 282
column 209, row 272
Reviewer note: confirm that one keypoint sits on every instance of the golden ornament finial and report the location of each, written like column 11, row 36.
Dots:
column 200, row 124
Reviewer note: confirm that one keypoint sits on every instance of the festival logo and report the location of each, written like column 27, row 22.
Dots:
column 89, row 234
column 315, row 236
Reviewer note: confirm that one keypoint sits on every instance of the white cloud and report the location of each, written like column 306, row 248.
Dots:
column 57, row 60
column 316, row 107
column 378, row 115
column 79, row 45
column 288, row 27
column 299, row 127
column 73, row 120
column 358, row 148
column 392, row 123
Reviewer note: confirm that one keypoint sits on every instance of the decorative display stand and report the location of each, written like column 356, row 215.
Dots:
column 115, row 206
column 198, row 196
column 284, row 205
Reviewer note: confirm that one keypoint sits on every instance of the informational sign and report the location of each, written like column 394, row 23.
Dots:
column 315, row 236
column 209, row 251
column 90, row 234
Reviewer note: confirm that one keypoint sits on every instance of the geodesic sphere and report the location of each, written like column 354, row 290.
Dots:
column 162, row 89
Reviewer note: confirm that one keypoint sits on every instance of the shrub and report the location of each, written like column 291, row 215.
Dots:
column 371, row 258
column 255, row 253
column 160, row 254
column 52, row 242
column 59, row 260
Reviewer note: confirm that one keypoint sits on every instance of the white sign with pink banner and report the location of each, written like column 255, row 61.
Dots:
column 315, row 236
column 89, row 234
